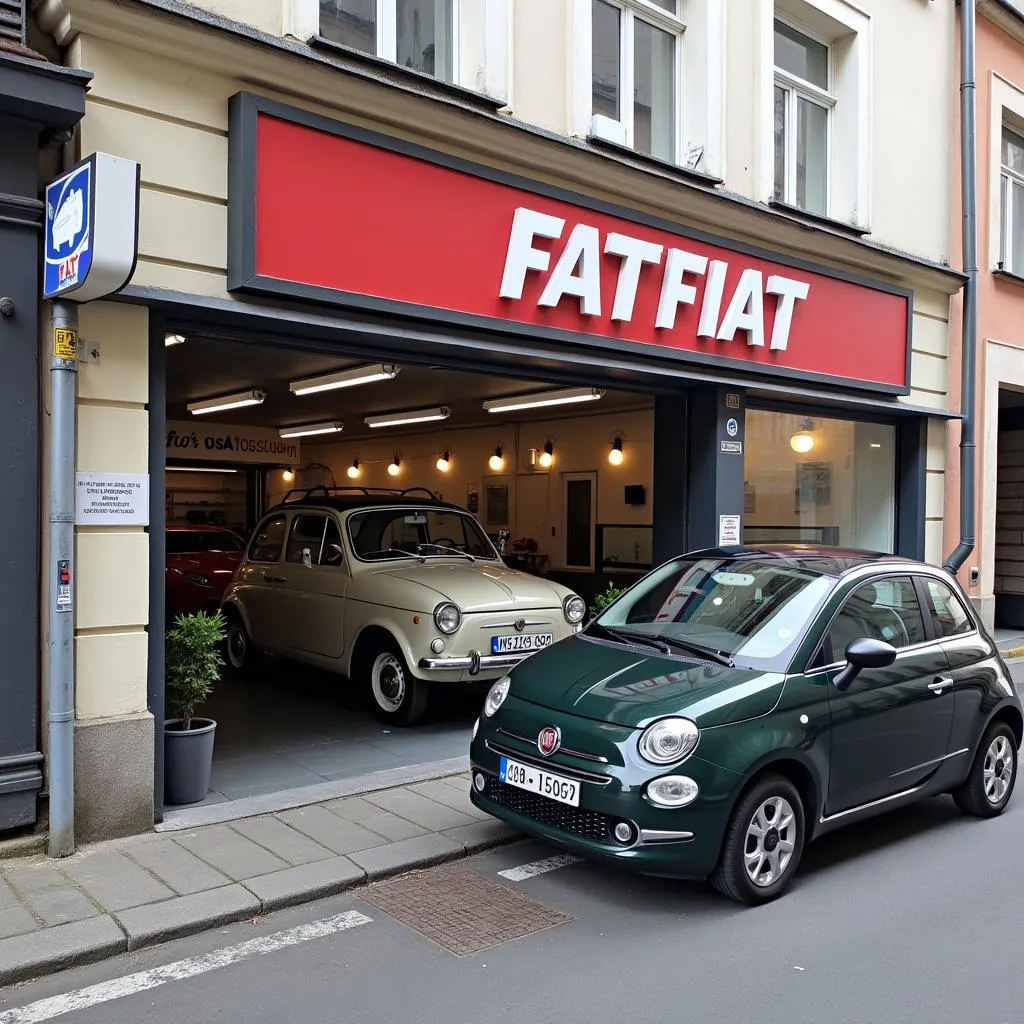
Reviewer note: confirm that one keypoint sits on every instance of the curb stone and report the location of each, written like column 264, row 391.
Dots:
column 50, row 950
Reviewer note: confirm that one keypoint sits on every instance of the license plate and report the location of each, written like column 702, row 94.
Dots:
column 535, row 780
column 509, row 643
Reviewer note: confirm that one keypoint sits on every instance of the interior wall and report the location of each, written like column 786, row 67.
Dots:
column 535, row 496
column 205, row 497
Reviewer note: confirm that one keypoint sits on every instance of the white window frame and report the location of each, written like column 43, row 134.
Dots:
column 1006, row 108
column 629, row 12
column 700, row 77
column 849, row 30
column 799, row 89
column 1007, row 178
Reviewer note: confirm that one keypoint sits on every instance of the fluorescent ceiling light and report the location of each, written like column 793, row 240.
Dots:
column 398, row 419
column 344, row 379
column 312, row 428
column 566, row 396
column 173, row 339
column 225, row 402
column 198, row 469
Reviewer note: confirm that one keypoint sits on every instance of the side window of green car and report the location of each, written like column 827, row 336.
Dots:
column 885, row 609
column 949, row 617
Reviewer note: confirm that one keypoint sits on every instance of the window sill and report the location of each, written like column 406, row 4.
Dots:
column 655, row 163
column 817, row 219
column 406, row 76
column 1008, row 275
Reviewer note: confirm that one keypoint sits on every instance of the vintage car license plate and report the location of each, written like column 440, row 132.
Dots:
column 525, row 776
column 509, row 643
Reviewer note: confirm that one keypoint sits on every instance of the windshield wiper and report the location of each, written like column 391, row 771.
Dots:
column 370, row 555
column 720, row 657
column 627, row 636
column 440, row 551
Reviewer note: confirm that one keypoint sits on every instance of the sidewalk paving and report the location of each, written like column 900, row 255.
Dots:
column 120, row 896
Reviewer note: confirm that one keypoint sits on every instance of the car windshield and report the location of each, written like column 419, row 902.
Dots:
column 198, row 542
column 379, row 534
column 747, row 612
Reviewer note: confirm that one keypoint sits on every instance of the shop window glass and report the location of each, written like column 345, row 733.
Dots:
column 417, row 34
column 266, row 545
column 819, row 480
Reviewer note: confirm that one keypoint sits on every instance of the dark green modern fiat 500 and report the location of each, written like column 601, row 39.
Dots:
column 735, row 704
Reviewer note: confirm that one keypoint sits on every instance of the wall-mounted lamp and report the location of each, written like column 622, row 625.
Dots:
column 615, row 456
column 445, row 462
column 396, row 466
column 288, row 475
column 547, row 457
column 497, row 460
column 353, row 471
column 803, row 440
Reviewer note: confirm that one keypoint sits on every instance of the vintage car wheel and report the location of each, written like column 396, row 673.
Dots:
column 987, row 789
column 398, row 696
column 763, row 843
column 237, row 645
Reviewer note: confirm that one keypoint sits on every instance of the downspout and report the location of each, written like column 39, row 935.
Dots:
column 969, row 345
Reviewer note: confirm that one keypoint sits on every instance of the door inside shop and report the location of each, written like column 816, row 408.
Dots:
column 557, row 477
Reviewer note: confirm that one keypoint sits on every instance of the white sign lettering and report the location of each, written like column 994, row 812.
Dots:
column 112, row 499
column 210, row 442
column 577, row 273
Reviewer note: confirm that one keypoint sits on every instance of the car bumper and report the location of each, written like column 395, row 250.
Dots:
column 474, row 663
column 680, row 842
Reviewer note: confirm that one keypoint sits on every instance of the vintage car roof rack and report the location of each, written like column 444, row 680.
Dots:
column 304, row 495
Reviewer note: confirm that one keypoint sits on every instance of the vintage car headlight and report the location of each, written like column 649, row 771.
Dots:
column 672, row 791
column 668, row 740
column 447, row 617
column 574, row 608
column 496, row 695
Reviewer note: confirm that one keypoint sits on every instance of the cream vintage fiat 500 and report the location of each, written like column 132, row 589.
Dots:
column 394, row 590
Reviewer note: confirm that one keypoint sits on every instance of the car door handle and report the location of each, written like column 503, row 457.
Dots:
column 940, row 684
column 274, row 579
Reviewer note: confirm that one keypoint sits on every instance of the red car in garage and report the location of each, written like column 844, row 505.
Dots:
column 201, row 561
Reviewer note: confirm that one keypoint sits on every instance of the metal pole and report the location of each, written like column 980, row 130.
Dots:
column 969, row 344
column 61, row 554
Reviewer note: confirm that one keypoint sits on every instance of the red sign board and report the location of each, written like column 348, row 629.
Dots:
column 348, row 218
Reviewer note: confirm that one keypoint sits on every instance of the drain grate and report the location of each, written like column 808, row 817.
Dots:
column 461, row 911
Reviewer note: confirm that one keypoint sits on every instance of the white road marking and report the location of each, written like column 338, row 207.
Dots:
column 521, row 874
column 119, row 988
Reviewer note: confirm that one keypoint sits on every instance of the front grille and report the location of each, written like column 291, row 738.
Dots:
column 575, row 820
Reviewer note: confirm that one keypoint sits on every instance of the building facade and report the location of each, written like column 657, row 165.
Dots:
column 716, row 206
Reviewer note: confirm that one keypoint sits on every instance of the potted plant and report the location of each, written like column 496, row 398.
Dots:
column 604, row 598
column 193, row 668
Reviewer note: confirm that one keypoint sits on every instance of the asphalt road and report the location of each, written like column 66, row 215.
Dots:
column 917, row 917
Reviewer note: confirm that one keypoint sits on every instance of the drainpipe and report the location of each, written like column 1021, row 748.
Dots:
column 969, row 347
column 61, row 620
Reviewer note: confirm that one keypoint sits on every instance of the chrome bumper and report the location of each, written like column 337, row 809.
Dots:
column 475, row 662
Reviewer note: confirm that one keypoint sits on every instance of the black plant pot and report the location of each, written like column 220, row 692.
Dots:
column 188, row 759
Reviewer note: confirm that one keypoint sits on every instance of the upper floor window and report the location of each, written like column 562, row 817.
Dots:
column 636, row 72
column 803, row 108
column 1011, row 201
column 417, row 34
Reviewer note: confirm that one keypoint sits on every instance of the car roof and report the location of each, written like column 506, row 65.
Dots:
column 823, row 559
column 343, row 499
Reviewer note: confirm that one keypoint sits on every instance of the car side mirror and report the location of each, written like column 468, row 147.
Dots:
column 333, row 554
column 861, row 654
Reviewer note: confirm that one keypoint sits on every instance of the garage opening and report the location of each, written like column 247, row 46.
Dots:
column 1008, row 585
column 556, row 477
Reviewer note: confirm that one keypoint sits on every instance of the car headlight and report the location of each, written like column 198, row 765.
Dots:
column 574, row 608
column 447, row 617
column 197, row 578
column 672, row 791
column 668, row 740
column 496, row 695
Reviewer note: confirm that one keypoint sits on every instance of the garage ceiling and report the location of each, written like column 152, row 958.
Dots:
column 204, row 368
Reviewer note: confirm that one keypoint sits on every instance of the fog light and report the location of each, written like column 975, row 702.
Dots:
column 479, row 781
column 437, row 646
column 624, row 833
column 672, row 791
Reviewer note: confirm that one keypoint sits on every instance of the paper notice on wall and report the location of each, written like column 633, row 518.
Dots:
column 112, row 499
column 728, row 530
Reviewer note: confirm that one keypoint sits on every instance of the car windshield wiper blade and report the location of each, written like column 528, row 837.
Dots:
column 395, row 551
column 628, row 636
column 440, row 551
column 721, row 657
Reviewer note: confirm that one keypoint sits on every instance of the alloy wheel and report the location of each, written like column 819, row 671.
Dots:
column 997, row 772
column 770, row 841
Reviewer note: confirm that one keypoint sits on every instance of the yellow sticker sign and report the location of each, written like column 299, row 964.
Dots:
column 65, row 343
